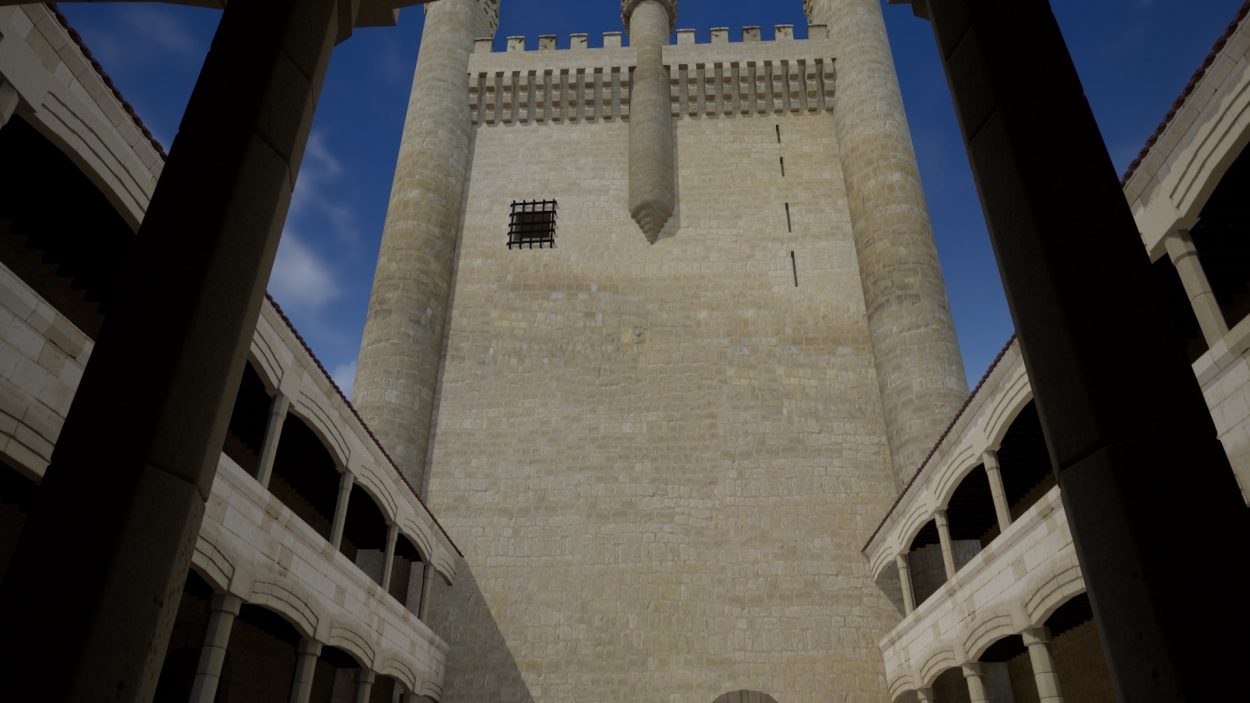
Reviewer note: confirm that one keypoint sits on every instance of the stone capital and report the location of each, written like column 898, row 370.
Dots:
column 628, row 7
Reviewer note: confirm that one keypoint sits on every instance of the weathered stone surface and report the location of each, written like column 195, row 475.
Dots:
column 403, row 340
column 918, row 362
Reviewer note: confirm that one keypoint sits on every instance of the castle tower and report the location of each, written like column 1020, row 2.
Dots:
column 919, row 366
column 403, row 340
column 660, row 459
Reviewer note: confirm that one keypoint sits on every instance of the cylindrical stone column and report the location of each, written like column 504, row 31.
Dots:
column 364, row 685
column 652, row 176
column 388, row 556
column 397, row 372
column 944, row 536
column 305, row 666
column 904, row 577
column 346, row 480
column 1037, row 639
column 221, row 614
column 269, row 450
column 974, row 674
column 1184, row 256
column 919, row 368
column 998, row 492
column 925, row 695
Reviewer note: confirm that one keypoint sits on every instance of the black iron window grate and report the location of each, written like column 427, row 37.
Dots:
column 533, row 223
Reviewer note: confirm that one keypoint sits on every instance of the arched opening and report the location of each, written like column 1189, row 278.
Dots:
column 745, row 696
column 248, row 421
column 305, row 476
column 971, row 515
column 185, row 642
column 17, row 498
column 364, row 534
column 1077, row 649
column 951, row 687
column 71, row 256
column 1009, row 672
column 335, row 677
column 260, row 657
column 1025, row 462
column 1222, row 238
column 407, row 575
column 925, row 563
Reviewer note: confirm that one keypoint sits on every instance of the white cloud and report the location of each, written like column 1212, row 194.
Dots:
column 344, row 375
column 300, row 278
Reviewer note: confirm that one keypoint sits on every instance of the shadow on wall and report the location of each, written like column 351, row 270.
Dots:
column 480, row 668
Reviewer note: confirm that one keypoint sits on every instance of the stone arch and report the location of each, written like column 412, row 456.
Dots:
column 745, row 696
column 355, row 645
column 1017, row 394
column 1052, row 593
column 321, row 420
column 941, row 659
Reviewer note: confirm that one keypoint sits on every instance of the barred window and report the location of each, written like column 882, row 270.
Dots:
column 533, row 222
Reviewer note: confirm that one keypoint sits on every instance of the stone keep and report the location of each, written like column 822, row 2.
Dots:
column 660, row 449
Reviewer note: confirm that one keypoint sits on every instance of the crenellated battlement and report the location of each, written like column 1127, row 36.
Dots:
column 718, row 78
column 685, row 37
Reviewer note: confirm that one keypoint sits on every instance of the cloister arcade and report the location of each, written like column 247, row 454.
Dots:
column 310, row 573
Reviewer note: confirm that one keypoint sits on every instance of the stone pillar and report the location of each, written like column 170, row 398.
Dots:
column 974, row 674
column 8, row 101
column 427, row 586
column 925, row 695
column 1184, row 257
column 221, row 614
column 134, row 465
column 346, row 480
column 397, row 373
column 277, row 416
column 1091, row 327
column 999, row 493
column 1037, row 639
column 919, row 368
column 652, row 168
column 306, row 653
column 364, row 685
column 944, row 536
column 388, row 559
column 904, row 578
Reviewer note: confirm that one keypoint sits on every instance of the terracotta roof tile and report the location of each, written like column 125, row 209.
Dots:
column 1189, row 89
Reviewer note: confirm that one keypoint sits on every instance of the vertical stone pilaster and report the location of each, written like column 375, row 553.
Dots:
column 400, row 353
column 652, row 174
column 919, row 368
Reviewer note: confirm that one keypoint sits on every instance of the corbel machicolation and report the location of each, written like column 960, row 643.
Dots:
column 716, row 79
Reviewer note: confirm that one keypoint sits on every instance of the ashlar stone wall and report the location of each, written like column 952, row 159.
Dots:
column 661, row 461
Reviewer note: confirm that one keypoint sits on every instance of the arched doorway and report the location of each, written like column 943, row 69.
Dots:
column 745, row 696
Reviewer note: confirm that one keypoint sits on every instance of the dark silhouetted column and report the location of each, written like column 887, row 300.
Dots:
column 1146, row 485
column 95, row 582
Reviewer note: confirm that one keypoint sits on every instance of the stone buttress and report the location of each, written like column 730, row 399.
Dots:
column 397, row 372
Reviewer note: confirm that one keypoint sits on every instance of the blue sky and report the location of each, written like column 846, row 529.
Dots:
column 1134, row 56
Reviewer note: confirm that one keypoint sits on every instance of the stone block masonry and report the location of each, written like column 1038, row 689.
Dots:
column 661, row 461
